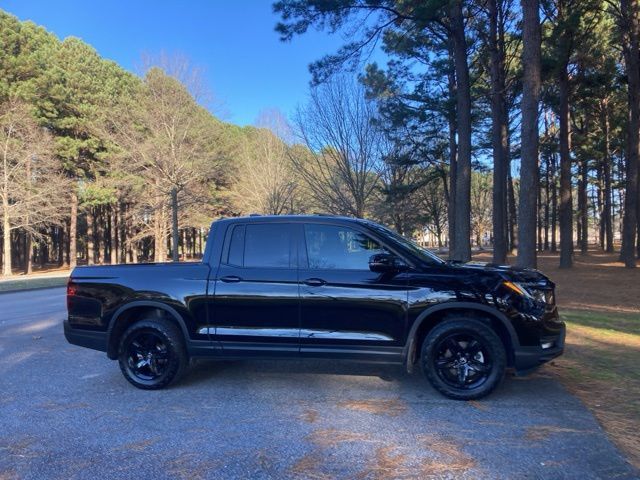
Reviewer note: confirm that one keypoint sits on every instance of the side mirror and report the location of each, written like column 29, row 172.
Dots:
column 385, row 263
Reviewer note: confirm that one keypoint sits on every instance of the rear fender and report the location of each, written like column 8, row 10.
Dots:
column 172, row 313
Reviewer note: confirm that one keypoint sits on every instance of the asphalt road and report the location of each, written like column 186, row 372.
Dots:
column 67, row 412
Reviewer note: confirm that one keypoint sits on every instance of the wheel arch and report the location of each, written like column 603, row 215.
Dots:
column 432, row 316
column 127, row 314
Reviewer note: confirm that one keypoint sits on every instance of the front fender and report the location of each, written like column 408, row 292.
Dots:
column 410, row 346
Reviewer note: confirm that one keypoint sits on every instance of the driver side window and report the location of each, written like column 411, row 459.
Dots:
column 333, row 247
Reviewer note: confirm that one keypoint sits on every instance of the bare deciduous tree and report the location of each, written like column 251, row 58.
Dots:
column 336, row 126
column 265, row 178
column 175, row 145
column 31, row 184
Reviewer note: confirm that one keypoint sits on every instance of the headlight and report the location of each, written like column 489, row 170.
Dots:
column 545, row 296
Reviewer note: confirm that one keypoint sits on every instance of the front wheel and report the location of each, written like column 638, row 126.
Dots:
column 152, row 354
column 463, row 358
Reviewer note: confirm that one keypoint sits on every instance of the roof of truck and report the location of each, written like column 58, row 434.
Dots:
column 292, row 218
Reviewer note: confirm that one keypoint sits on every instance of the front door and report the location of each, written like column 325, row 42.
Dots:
column 346, row 309
column 256, row 302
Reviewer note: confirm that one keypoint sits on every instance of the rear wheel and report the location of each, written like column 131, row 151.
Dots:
column 463, row 358
column 152, row 354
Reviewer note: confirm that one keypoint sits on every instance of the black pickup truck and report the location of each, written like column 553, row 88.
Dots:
column 317, row 286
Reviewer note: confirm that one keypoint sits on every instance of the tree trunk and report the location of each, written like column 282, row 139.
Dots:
column 28, row 263
column 73, row 228
column 547, row 199
column 174, row 225
column 499, row 133
column 6, row 240
column 527, row 256
column 123, row 231
column 554, row 204
column 566, row 201
column 44, row 254
column 113, row 240
column 632, row 64
column 539, row 216
column 513, row 211
column 462, row 199
column 606, row 177
column 61, row 244
column 453, row 155
column 582, row 207
column 600, row 206
column 91, row 255
column 160, row 241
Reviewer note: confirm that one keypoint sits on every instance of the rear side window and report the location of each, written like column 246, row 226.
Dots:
column 340, row 248
column 261, row 245
column 267, row 245
column 236, row 246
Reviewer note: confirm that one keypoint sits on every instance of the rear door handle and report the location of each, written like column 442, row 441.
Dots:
column 231, row 279
column 315, row 282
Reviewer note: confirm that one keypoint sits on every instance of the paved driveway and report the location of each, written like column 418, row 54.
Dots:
column 67, row 412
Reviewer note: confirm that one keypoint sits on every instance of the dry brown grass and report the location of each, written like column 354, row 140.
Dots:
column 140, row 446
column 189, row 466
column 8, row 474
column 542, row 432
column 331, row 437
column 309, row 467
column 442, row 457
column 392, row 408
column 19, row 447
column 388, row 464
column 450, row 458
column 310, row 415
column 478, row 405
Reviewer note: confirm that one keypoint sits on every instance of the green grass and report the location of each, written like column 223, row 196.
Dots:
column 31, row 283
column 615, row 322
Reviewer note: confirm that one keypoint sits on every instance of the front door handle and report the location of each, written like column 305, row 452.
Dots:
column 231, row 279
column 315, row 282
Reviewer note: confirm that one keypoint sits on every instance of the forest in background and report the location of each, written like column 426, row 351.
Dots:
column 103, row 166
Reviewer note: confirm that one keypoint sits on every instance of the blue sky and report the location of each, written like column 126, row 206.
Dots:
column 247, row 68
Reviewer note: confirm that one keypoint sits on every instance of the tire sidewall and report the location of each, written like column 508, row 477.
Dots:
column 175, row 349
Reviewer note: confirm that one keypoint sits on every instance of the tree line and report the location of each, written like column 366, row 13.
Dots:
column 103, row 166
column 544, row 94
column 491, row 122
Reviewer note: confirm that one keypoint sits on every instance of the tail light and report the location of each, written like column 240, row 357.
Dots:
column 72, row 290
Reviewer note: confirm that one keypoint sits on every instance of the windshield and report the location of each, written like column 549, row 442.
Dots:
column 413, row 247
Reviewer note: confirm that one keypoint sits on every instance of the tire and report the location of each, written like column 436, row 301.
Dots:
column 463, row 358
column 152, row 354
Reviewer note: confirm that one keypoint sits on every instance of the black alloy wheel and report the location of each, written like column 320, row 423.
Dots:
column 462, row 361
column 147, row 355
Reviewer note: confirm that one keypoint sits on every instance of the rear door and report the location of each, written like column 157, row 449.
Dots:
column 346, row 309
column 256, row 302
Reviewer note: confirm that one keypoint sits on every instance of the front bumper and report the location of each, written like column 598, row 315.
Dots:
column 96, row 340
column 527, row 359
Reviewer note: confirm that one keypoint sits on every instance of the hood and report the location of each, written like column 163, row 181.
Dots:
column 507, row 272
